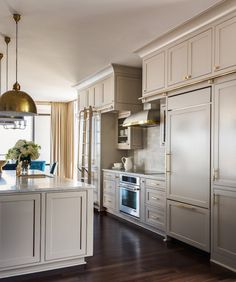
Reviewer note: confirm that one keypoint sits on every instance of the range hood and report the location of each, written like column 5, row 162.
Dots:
column 145, row 118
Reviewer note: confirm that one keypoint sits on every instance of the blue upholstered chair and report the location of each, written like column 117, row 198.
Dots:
column 9, row 167
column 39, row 165
column 53, row 168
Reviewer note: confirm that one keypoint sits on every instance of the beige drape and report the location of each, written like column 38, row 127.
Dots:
column 62, row 138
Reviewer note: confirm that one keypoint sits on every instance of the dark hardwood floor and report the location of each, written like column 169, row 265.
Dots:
column 123, row 252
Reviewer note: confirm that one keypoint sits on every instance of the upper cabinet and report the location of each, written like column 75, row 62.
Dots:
column 154, row 73
column 178, row 63
column 197, row 51
column 225, row 45
column 200, row 46
column 114, row 89
column 190, row 59
column 224, row 157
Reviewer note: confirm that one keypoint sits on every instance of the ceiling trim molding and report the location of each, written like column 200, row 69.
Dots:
column 207, row 17
column 94, row 77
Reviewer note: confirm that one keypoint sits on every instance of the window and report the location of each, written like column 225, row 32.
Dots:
column 38, row 129
column 9, row 137
column 42, row 131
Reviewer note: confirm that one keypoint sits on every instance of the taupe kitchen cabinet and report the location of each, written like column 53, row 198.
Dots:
column 190, row 59
column 224, row 227
column 188, row 147
column 189, row 224
column 115, row 88
column 188, row 167
column 224, row 161
column 154, row 72
column 65, row 228
column 84, row 99
column 224, row 174
column 154, row 203
column 20, row 230
column 225, row 45
column 110, row 191
column 128, row 138
column 107, row 90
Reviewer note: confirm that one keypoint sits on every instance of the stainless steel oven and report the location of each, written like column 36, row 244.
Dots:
column 130, row 195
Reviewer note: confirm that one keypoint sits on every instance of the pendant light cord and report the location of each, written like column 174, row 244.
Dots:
column 1, row 55
column 16, row 51
column 7, row 40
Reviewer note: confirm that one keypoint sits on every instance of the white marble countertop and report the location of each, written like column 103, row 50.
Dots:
column 152, row 175
column 9, row 183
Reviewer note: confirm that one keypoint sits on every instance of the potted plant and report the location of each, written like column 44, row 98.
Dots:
column 23, row 152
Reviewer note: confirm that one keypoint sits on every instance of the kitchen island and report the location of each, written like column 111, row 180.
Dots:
column 45, row 223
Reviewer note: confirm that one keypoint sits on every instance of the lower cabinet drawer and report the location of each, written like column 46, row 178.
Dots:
column 189, row 224
column 109, row 186
column 108, row 201
column 155, row 183
column 155, row 218
column 156, row 198
column 109, row 176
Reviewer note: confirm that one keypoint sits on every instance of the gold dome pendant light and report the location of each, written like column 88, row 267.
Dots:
column 11, row 122
column 16, row 102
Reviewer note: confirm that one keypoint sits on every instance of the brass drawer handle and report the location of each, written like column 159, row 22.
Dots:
column 189, row 76
column 186, row 207
column 154, row 217
column 216, row 67
column 155, row 198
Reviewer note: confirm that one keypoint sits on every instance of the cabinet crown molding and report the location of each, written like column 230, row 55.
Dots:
column 200, row 21
column 107, row 71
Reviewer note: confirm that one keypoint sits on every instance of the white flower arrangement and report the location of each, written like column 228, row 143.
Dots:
column 23, row 150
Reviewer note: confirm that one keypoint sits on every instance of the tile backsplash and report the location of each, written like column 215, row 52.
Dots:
column 152, row 156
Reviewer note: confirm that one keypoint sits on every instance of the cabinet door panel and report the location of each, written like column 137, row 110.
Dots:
column 107, row 91
column 109, row 201
column 200, row 55
column 109, row 186
column 225, row 133
column 224, row 227
column 189, row 224
column 154, row 73
column 19, row 230
column 155, row 198
column 155, row 217
column 225, row 44
column 65, row 225
column 98, row 95
column 83, row 99
column 91, row 97
column 177, row 63
column 189, row 146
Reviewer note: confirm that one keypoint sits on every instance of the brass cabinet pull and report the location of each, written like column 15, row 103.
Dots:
column 168, row 163
column 155, row 198
column 189, row 76
column 186, row 207
column 185, row 77
column 215, row 174
column 215, row 199
column 154, row 217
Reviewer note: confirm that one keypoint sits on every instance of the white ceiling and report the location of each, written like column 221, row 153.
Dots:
column 63, row 41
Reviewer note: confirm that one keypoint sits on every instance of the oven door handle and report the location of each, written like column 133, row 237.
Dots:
column 129, row 188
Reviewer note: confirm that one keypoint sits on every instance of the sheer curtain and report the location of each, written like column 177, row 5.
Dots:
column 62, row 138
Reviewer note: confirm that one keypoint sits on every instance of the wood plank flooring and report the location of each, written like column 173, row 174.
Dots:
column 125, row 253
